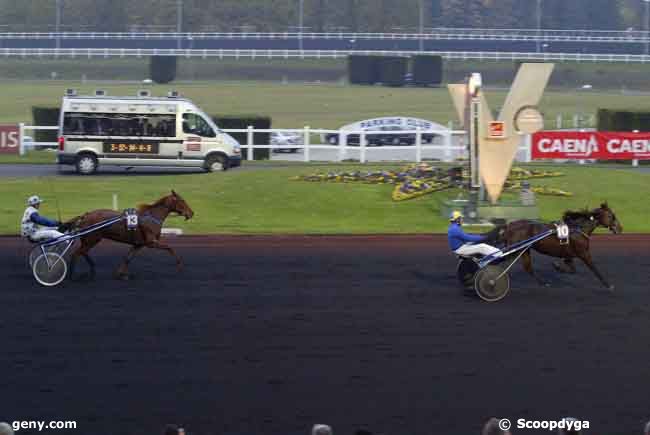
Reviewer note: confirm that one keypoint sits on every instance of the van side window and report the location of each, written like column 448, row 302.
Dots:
column 195, row 124
column 119, row 124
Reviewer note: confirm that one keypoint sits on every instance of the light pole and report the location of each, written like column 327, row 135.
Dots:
column 179, row 22
column 301, row 22
column 539, row 23
column 474, row 85
column 57, row 25
column 421, row 31
column 647, row 25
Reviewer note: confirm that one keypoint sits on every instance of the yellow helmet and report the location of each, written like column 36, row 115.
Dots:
column 455, row 215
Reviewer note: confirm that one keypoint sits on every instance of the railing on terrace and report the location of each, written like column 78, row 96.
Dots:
column 548, row 35
column 319, row 54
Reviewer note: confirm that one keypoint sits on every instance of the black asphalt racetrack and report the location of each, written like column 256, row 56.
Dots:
column 269, row 335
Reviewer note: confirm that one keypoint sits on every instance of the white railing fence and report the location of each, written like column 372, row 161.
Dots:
column 340, row 145
column 319, row 54
column 544, row 35
column 33, row 144
column 323, row 145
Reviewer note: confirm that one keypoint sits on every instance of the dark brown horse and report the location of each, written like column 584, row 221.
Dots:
column 581, row 225
column 146, row 235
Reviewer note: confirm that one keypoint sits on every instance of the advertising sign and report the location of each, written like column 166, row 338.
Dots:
column 591, row 145
column 9, row 139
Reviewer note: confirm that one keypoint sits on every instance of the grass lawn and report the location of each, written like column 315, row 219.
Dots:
column 265, row 201
column 316, row 105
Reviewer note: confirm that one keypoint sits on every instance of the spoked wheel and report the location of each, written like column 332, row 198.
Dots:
column 33, row 255
column 491, row 283
column 36, row 251
column 465, row 271
column 49, row 269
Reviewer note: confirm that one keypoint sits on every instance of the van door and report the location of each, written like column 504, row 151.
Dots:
column 197, row 135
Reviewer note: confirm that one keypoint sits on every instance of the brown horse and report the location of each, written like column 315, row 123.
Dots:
column 581, row 225
column 147, row 234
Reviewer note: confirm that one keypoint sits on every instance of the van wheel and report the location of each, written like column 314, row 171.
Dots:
column 215, row 163
column 86, row 164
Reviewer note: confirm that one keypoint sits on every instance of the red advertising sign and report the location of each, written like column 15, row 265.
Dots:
column 9, row 139
column 599, row 145
column 497, row 130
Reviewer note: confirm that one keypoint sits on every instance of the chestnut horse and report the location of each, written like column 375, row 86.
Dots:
column 146, row 235
column 581, row 226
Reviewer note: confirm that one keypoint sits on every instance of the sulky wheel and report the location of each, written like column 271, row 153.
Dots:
column 49, row 269
column 33, row 255
column 491, row 283
column 465, row 271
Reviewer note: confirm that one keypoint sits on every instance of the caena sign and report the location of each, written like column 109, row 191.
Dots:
column 599, row 145
column 9, row 139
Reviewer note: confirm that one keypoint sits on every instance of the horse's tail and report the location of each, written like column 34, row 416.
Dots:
column 74, row 224
column 497, row 235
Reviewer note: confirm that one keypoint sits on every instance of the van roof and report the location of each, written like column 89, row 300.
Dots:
column 129, row 98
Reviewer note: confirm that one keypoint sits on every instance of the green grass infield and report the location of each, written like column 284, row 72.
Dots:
column 266, row 202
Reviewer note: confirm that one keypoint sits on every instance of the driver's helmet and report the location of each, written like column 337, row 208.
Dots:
column 455, row 215
column 34, row 200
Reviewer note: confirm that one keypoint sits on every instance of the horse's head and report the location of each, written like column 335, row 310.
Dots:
column 177, row 204
column 606, row 218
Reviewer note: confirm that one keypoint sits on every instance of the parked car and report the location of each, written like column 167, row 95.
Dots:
column 285, row 140
column 28, row 142
column 378, row 139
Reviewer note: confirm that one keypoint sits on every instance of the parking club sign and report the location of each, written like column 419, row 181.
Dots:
column 9, row 139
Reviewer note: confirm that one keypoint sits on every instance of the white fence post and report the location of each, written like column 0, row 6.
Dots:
column 249, row 143
column 528, row 146
column 635, row 162
column 342, row 144
column 418, row 145
column 306, row 141
column 559, row 121
column 362, row 147
column 447, row 144
column 21, row 135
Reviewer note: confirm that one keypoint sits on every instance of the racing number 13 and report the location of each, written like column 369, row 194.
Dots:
column 132, row 220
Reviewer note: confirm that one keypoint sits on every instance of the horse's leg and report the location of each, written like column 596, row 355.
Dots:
column 91, row 265
column 527, row 263
column 87, row 243
column 155, row 244
column 566, row 266
column 586, row 258
column 122, row 272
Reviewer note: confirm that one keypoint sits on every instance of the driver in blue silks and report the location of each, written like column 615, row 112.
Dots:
column 466, row 245
column 36, row 227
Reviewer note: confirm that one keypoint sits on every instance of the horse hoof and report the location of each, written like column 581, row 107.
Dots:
column 556, row 266
column 547, row 284
column 83, row 277
column 611, row 288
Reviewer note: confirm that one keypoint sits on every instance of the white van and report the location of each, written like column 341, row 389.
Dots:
column 141, row 131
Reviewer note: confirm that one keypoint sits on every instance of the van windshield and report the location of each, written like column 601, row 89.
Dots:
column 194, row 123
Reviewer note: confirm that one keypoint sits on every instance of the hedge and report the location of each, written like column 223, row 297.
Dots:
column 226, row 122
column 363, row 70
column 427, row 70
column 392, row 70
column 162, row 69
column 623, row 120
column 45, row 116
